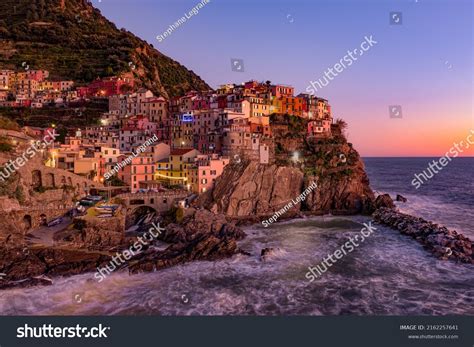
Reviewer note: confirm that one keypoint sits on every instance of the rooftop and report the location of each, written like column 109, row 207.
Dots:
column 181, row 151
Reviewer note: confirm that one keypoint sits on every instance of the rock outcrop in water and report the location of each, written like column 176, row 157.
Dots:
column 384, row 200
column 442, row 242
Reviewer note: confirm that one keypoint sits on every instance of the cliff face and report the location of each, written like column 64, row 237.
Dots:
column 251, row 190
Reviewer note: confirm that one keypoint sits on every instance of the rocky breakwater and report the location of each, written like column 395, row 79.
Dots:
column 200, row 235
column 439, row 240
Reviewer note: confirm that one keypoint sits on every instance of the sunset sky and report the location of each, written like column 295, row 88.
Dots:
column 425, row 64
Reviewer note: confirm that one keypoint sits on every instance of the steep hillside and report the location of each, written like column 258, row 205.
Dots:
column 72, row 40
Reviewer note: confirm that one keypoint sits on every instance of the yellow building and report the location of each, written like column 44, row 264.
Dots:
column 255, row 107
column 174, row 170
column 89, row 167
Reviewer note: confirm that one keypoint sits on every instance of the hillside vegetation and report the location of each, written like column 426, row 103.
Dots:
column 72, row 40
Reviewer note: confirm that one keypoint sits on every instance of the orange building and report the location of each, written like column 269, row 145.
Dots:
column 289, row 105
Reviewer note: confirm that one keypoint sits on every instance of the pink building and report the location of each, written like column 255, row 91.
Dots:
column 203, row 174
column 37, row 75
column 319, row 127
column 135, row 170
column 281, row 90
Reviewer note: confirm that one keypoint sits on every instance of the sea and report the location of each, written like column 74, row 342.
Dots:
column 387, row 274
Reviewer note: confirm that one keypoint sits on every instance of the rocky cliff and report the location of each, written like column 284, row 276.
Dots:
column 250, row 190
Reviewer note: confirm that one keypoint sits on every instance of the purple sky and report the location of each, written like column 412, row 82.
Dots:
column 424, row 64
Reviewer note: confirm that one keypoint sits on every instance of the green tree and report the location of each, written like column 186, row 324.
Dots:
column 109, row 71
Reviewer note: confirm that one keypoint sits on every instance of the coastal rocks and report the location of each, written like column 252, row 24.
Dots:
column 270, row 253
column 266, row 252
column 384, row 200
column 401, row 198
column 28, row 266
column 200, row 223
column 202, row 235
column 95, row 233
column 443, row 243
column 27, row 282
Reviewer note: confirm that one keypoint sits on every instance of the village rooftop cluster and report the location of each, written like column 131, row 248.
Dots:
column 197, row 134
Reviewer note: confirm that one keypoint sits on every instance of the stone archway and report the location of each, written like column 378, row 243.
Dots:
column 43, row 219
column 36, row 179
column 27, row 222
column 49, row 180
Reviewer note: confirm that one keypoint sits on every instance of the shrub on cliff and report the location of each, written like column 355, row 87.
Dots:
column 5, row 145
column 8, row 124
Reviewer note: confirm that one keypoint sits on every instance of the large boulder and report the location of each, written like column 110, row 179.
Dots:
column 401, row 198
column 384, row 200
